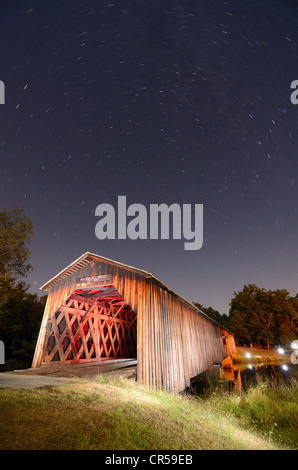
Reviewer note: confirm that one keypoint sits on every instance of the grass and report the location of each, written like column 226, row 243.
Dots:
column 270, row 408
column 109, row 414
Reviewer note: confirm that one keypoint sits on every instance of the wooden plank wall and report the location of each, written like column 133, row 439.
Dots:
column 230, row 346
column 179, row 342
column 174, row 341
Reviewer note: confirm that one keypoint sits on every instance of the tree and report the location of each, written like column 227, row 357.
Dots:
column 16, row 230
column 223, row 320
column 263, row 316
column 287, row 324
column 20, row 318
column 20, row 312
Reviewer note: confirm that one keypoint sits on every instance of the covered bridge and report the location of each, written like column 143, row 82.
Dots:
column 98, row 309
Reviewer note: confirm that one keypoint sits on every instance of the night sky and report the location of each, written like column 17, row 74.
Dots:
column 164, row 102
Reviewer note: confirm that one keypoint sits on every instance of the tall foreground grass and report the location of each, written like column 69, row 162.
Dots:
column 270, row 408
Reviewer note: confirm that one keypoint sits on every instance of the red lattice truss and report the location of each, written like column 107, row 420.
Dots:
column 92, row 324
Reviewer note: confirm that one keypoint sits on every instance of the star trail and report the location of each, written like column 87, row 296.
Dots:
column 163, row 102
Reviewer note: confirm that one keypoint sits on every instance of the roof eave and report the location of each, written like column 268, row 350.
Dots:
column 77, row 264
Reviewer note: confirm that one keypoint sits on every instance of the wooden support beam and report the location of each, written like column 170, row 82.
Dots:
column 89, row 309
column 58, row 343
column 93, row 314
column 118, row 311
column 129, row 326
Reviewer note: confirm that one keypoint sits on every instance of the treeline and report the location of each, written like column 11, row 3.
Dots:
column 20, row 311
column 222, row 319
column 20, row 319
column 260, row 317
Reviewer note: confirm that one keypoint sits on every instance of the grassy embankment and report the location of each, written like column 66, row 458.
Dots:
column 112, row 415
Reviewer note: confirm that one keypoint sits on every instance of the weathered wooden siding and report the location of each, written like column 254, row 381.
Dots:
column 230, row 347
column 178, row 342
column 175, row 342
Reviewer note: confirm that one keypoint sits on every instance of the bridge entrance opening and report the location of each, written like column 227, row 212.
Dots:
column 94, row 324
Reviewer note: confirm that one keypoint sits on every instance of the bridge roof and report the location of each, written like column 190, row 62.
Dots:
column 88, row 257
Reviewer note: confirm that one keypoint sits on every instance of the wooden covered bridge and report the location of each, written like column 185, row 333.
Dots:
column 98, row 310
